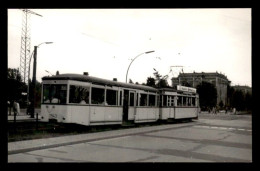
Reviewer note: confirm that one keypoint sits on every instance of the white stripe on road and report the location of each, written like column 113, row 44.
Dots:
column 223, row 128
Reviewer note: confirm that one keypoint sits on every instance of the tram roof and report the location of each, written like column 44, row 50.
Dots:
column 169, row 89
column 85, row 78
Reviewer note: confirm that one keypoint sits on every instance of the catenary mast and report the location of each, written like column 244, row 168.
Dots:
column 25, row 44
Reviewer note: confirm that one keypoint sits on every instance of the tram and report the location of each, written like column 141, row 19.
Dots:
column 87, row 100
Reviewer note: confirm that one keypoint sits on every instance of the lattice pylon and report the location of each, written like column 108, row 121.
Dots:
column 25, row 46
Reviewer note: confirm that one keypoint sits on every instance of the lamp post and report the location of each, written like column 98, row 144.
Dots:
column 34, row 77
column 133, row 61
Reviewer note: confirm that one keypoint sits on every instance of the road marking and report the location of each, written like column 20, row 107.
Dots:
column 223, row 128
column 214, row 127
column 241, row 129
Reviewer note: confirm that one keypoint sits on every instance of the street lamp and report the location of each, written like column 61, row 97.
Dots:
column 133, row 61
column 34, row 76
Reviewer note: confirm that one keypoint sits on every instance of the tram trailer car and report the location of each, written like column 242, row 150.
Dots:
column 86, row 100
column 182, row 103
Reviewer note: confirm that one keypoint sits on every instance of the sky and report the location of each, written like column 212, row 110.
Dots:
column 103, row 42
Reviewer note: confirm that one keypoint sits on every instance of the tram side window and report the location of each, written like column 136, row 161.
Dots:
column 185, row 101
column 189, row 101
column 151, row 100
column 120, row 98
column 97, row 95
column 111, row 97
column 143, row 100
column 164, row 100
column 193, row 101
column 55, row 93
column 132, row 99
column 172, row 100
column 179, row 101
column 79, row 94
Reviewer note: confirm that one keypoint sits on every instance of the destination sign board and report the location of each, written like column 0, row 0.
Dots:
column 187, row 89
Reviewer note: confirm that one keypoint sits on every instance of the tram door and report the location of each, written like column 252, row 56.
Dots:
column 125, row 105
column 131, row 108
column 128, row 105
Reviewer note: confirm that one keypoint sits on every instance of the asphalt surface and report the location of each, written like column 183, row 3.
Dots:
column 212, row 138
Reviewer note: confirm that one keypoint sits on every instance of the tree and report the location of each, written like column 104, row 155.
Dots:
column 238, row 100
column 230, row 92
column 160, row 81
column 248, row 102
column 150, row 82
column 15, row 85
column 208, row 94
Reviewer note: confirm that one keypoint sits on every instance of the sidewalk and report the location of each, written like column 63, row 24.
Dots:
column 23, row 116
column 228, row 113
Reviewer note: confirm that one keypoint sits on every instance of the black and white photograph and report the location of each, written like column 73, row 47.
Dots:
column 129, row 85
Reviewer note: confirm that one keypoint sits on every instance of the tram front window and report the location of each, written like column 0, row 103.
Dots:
column 54, row 93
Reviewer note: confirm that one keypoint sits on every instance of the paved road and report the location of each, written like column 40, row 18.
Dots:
column 216, row 139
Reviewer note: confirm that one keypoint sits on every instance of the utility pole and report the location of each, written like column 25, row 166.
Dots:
column 25, row 44
column 34, row 80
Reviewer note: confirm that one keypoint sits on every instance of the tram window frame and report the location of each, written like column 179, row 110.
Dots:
column 111, row 98
column 57, row 96
column 137, row 99
column 158, row 100
column 152, row 101
column 97, row 99
column 82, row 97
column 143, row 99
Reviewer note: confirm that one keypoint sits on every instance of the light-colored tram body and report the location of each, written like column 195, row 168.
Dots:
column 182, row 103
column 86, row 100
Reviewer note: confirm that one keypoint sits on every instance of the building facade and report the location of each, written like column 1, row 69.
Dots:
column 244, row 89
column 193, row 79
